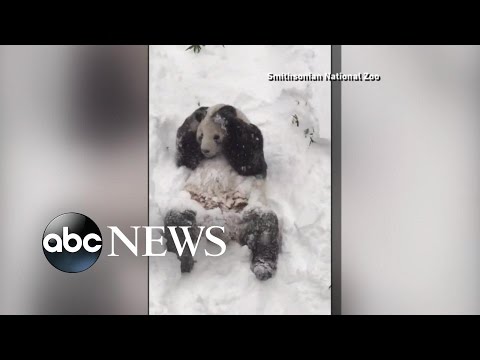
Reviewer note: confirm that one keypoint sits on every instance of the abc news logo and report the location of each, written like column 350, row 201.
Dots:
column 72, row 242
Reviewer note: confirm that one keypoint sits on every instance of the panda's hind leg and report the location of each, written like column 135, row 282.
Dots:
column 261, row 235
column 182, row 218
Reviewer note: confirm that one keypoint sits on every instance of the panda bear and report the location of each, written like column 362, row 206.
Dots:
column 226, row 186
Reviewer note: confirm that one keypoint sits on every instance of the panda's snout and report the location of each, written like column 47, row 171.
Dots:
column 207, row 153
column 208, row 148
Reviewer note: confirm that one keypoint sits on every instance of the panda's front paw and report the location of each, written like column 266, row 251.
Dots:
column 263, row 270
column 186, row 264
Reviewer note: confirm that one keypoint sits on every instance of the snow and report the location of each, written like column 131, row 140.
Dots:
column 297, row 187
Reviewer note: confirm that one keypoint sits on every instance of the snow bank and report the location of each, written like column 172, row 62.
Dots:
column 298, row 182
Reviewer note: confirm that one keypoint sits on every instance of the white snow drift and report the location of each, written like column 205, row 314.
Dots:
column 290, row 115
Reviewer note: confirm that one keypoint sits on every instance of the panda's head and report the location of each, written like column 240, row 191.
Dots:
column 221, row 129
column 211, row 132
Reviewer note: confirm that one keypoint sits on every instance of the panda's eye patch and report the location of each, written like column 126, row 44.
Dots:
column 200, row 137
column 216, row 137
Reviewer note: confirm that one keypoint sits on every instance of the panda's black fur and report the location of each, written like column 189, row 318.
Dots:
column 188, row 148
column 242, row 146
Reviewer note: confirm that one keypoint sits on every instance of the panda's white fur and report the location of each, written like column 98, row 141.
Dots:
column 215, row 185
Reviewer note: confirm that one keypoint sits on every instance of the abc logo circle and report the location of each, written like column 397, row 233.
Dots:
column 72, row 242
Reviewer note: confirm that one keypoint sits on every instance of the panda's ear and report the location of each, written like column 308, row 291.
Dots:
column 227, row 112
column 200, row 113
column 243, row 148
column 188, row 149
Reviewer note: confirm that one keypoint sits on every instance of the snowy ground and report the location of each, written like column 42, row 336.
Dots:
column 298, row 182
